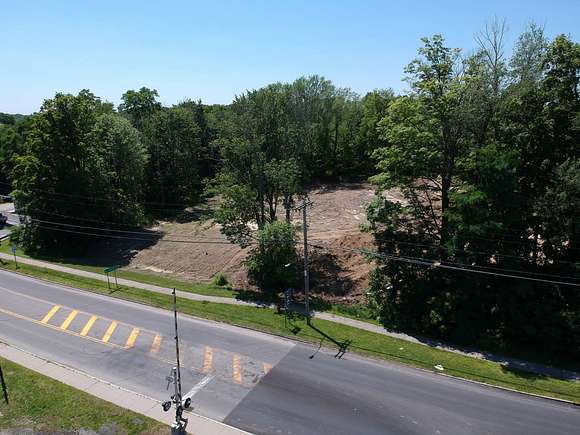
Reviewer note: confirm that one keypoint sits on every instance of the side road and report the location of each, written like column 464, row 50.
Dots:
column 112, row 393
column 512, row 362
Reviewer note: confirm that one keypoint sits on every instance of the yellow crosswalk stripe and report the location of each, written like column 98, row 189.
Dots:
column 51, row 313
column 109, row 332
column 237, row 369
column 267, row 368
column 88, row 325
column 207, row 360
column 69, row 319
column 156, row 344
column 132, row 337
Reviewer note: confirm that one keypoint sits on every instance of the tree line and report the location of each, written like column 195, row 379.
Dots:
column 486, row 151
column 484, row 148
column 80, row 157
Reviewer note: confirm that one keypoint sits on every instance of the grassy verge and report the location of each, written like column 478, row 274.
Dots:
column 33, row 406
column 356, row 312
column 143, row 277
column 332, row 335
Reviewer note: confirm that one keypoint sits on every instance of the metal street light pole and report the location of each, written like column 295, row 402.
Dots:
column 180, row 423
column 178, row 426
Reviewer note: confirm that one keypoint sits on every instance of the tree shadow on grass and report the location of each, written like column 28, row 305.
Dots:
column 260, row 298
column 517, row 370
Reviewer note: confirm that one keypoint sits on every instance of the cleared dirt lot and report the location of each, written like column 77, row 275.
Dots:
column 334, row 221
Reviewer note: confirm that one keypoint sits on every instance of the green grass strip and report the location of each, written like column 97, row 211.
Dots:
column 42, row 404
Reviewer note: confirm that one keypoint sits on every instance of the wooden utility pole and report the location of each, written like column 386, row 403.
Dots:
column 305, row 204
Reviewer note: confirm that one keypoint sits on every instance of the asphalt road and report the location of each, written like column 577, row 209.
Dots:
column 254, row 381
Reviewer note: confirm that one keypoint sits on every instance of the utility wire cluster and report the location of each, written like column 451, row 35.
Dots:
column 159, row 236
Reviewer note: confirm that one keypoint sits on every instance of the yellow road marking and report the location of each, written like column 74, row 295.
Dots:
column 267, row 368
column 88, row 326
column 56, row 328
column 132, row 337
column 68, row 308
column 237, row 369
column 51, row 313
column 69, row 319
column 156, row 344
column 109, row 332
column 207, row 359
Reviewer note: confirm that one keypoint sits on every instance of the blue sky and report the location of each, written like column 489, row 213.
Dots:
column 214, row 50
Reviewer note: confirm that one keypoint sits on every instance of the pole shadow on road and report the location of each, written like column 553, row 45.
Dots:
column 342, row 346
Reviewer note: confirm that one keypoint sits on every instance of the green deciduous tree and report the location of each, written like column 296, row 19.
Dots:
column 424, row 133
column 139, row 105
column 75, row 166
column 252, row 187
column 121, row 165
column 172, row 137
column 273, row 263
column 511, row 197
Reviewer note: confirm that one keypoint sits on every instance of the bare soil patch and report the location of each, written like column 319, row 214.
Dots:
column 334, row 222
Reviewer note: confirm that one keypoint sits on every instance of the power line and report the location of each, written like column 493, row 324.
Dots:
column 210, row 241
column 81, row 218
column 90, row 204
column 94, row 198
column 150, row 233
column 417, row 261
column 495, row 268
column 423, row 262
column 467, row 251
column 110, row 236
column 502, row 234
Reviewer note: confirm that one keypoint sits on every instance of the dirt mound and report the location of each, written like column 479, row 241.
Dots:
column 339, row 270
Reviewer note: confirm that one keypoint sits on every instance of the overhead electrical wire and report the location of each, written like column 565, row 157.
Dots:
column 411, row 260
column 198, row 240
column 467, row 251
column 505, row 238
column 111, row 236
column 154, row 234
column 95, row 198
column 440, row 265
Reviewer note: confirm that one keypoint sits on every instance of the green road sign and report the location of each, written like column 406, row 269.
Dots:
column 112, row 269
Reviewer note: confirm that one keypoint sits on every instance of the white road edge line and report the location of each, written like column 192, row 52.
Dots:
column 197, row 387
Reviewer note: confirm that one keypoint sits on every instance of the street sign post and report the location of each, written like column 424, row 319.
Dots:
column 109, row 270
column 13, row 249
column 288, row 294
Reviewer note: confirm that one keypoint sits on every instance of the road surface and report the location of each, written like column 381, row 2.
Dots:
column 254, row 381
